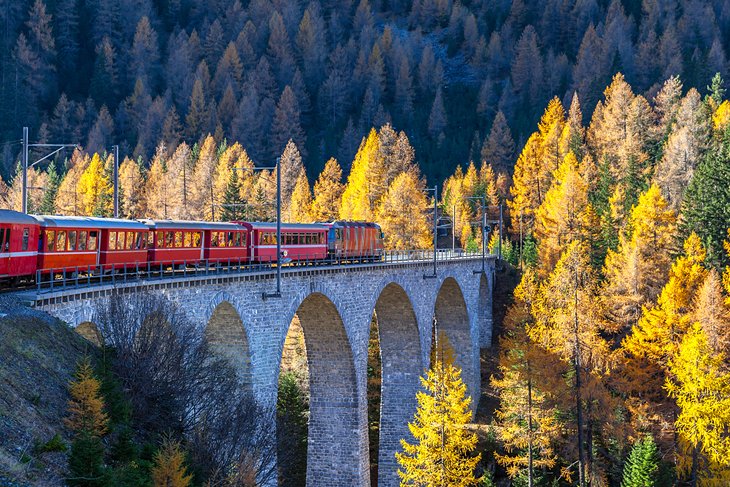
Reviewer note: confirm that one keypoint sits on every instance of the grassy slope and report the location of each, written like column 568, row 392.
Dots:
column 38, row 356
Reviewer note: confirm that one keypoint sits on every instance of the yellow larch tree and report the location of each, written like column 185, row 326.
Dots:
column 550, row 127
column 561, row 217
column 86, row 406
column 721, row 116
column 700, row 383
column 637, row 270
column 178, row 181
column 453, row 203
column 713, row 313
column 37, row 183
column 301, row 201
column 527, row 417
column 567, row 322
column 403, row 216
column 202, row 191
column 169, row 468
column 157, row 196
column 131, row 190
column 527, row 190
column 68, row 199
column 358, row 199
column 328, row 193
column 96, row 189
column 443, row 450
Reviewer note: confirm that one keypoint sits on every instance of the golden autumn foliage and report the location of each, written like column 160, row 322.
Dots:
column 96, row 189
column 402, row 214
column 359, row 198
column 328, row 193
column 86, row 407
column 169, row 469
column 301, row 201
column 721, row 116
column 131, row 190
column 636, row 271
column 700, row 383
column 443, row 450
column 561, row 218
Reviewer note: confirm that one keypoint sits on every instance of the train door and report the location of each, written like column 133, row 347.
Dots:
column 4, row 251
column 94, row 244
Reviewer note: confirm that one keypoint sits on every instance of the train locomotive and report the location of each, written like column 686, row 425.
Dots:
column 30, row 244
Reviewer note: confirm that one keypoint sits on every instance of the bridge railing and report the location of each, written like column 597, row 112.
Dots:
column 48, row 280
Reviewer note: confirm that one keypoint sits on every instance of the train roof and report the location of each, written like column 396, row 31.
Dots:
column 89, row 222
column 191, row 225
column 285, row 226
column 351, row 223
column 10, row 216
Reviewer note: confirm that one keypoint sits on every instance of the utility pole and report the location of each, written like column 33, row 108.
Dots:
column 483, row 202
column 116, row 181
column 435, row 230
column 27, row 165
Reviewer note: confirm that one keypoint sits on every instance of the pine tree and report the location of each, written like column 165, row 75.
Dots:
column 402, row 214
column 88, row 421
column 328, row 193
column 642, row 466
column 437, row 119
column 498, row 149
column 48, row 204
column 231, row 210
column 287, row 124
column 291, row 168
column 442, row 453
column 706, row 208
column 169, row 469
column 291, row 415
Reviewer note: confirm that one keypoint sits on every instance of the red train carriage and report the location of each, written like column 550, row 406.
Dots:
column 226, row 242
column 86, row 242
column 18, row 244
column 178, row 242
column 355, row 240
column 299, row 241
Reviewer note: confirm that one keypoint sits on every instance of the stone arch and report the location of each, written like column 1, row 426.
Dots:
column 484, row 312
column 400, row 352
column 90, row 332
column 226, row 336
column 335, row 433
column 452, row 317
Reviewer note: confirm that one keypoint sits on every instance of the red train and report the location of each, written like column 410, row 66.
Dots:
column 30, row 243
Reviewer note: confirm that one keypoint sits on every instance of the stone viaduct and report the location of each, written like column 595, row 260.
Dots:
column 335, row 306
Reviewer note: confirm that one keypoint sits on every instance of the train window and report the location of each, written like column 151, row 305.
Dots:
column 160, row 239
column 82, row 240
column 178, row 239
column 131, row 240
column 188, row 240
column 150, row 240
column 238, row 239
column 229, row 241
column 112, row 240
column 50, row 240
column 61, row 241
column 197, row 239
column 214, row 239
column 142, row 240
column 243, row 239
column 120, row 240
column 92, row 240
column 26, row 237
column 72, row 240
column 2, row 242
column 169, row 239
column 7, row 239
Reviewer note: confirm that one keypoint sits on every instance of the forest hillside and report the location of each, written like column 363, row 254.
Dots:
column 458, row 77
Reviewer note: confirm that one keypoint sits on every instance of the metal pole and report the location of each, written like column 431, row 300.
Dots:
column 484, row 232
column 278, row 227
column 435, row 226
column 453, row 231
column 500, row 231
column 116, row 181
column 25, row 170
